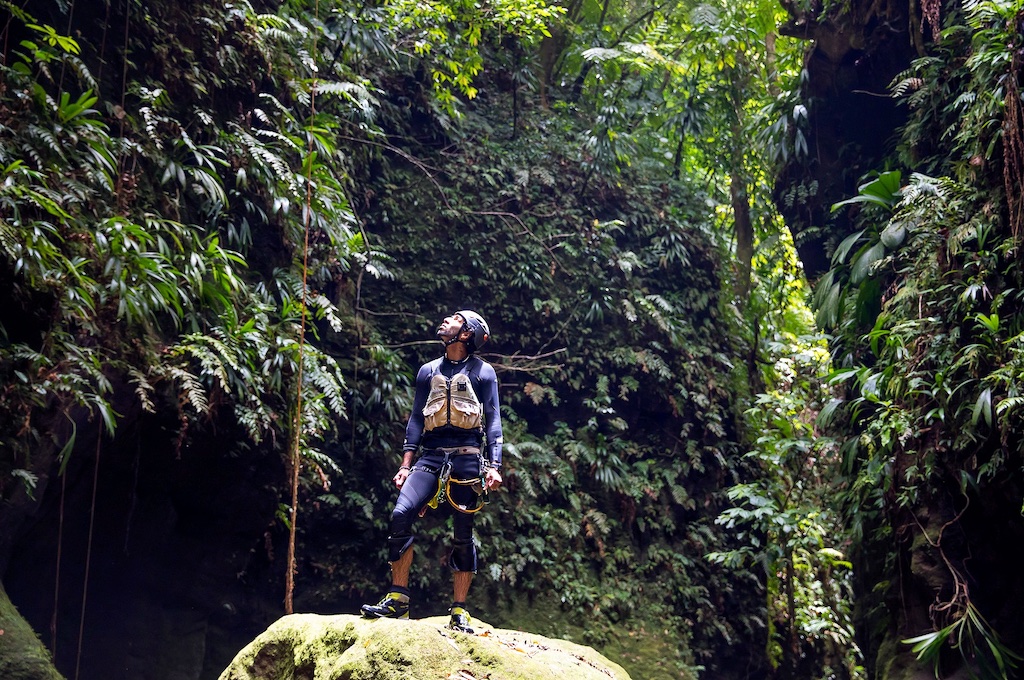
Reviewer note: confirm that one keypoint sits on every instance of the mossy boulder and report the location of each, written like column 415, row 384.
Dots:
column 22, row 655
column 347, row 647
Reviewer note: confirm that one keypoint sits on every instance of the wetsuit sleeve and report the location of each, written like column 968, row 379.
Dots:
column 492, row 414
column 414, row 428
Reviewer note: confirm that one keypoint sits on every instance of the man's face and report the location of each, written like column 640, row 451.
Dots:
column 450, row 327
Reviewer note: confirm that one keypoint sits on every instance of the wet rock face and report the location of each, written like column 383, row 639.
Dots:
column 348, row 647
column 852, row 120
column 22, row 656
column 175, row 567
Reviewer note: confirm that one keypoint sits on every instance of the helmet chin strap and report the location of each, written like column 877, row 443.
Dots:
column 455, row 338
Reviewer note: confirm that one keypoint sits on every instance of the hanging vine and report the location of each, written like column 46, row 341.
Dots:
column 297, row 423
column 1013, row 131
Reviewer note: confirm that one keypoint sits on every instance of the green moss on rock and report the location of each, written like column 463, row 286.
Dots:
column 22, row 655
column 346, row 647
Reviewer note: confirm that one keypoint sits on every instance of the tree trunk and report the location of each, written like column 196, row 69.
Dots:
column 744, row 226
column 744, row 231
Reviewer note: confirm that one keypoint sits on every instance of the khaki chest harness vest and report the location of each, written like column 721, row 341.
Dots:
column 453, row 402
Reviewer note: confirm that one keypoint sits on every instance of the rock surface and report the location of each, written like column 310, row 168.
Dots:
column 314, row 647
column 22, row 656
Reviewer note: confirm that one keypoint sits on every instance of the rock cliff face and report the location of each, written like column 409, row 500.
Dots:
column 176, row 580
column 22, row 655
column 853, row 54
column 313, row 647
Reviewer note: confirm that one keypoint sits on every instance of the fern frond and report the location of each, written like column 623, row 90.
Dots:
column 256, row 419
column 276, row 104
column 1009, row 405
column 82, row 71
column 143, row 389
column 321, row 459
column 50, row 139
column 192, row 391
column 598, row 520
column 705, row 16
column 901, row 88
column 599, row 54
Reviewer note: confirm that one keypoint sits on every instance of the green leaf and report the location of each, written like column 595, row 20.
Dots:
column 860, row 199
column 829, row 307
column 884, row 191
column 869, row 299
column 65, row 453
column 924, row 644
column 827, row 413
column 844, row 248
column 990, row 323
column 893, row 234
column 983, row 407
column 842, row 375
column 862, row 264
column 885, row 187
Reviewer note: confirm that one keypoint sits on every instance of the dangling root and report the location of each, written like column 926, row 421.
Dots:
column 1013, row 139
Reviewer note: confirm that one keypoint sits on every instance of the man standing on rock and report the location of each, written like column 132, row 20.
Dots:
column 456, row 426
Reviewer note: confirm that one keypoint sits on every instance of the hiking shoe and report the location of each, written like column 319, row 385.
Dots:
column 460, row 620
column 392, row 606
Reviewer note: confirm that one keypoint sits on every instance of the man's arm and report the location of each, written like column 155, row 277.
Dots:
column 414, row 428
column 492, row 414
column 403, row 470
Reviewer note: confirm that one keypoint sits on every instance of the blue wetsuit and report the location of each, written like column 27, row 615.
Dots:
column 446, row 444
column 485, row 384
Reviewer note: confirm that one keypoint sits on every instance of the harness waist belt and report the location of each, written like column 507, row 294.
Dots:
column 457, row 451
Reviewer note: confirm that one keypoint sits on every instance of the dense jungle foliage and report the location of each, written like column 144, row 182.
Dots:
column 923, row 301
column 230, row 228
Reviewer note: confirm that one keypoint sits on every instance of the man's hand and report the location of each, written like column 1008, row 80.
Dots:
column 400, row 477
column 492, row 478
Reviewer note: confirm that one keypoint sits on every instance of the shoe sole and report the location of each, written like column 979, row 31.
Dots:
column 374, row 615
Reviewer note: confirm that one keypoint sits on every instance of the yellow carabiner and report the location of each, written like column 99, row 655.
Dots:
column 480, row 493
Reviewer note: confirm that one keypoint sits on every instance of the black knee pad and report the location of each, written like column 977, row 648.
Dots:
column 463, row 557
column 397, row 545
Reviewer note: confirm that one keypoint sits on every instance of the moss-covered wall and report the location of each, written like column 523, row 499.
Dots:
column 22, row 655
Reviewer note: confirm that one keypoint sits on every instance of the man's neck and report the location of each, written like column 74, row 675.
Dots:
column 456, row 353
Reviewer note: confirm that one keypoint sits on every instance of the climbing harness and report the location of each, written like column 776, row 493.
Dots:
column 445, row 481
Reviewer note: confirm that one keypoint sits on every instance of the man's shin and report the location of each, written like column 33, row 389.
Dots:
column 460, row 585
column 400, row 568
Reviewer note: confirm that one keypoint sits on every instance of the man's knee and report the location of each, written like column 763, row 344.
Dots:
column 463, row 557
column 397, row 545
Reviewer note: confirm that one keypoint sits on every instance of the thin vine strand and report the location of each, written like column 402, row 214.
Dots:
column 56, row 578
column 88, row 553
column 297, row 425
